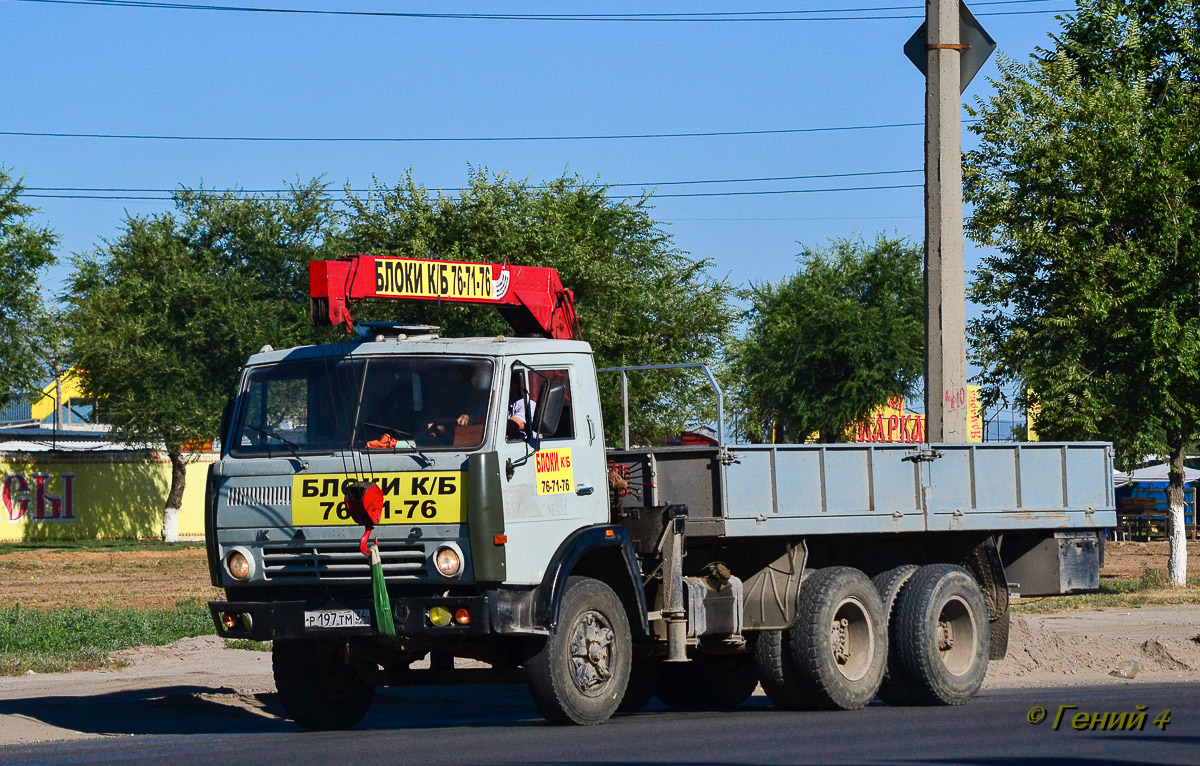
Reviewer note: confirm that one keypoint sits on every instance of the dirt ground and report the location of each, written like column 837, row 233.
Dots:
column 1125, row 560
column 47, row 579
column 1086, row 647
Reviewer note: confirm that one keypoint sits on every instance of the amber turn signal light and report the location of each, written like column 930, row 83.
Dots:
column 462, row 616
column 439, row 616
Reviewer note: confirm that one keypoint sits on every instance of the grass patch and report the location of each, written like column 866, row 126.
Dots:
column 1148, row 589
column 247, row 645
column 97, row 545
column 80, row 639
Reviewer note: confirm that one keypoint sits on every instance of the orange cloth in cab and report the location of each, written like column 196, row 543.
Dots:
column 387, row 441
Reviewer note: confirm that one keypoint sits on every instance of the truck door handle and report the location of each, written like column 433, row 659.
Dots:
column 584, row 489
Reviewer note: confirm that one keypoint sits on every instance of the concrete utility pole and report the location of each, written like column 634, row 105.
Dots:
column 945, row 299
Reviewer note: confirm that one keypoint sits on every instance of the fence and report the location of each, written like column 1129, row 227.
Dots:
column 98, row 495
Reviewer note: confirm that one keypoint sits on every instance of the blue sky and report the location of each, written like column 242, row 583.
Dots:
column 93, row 69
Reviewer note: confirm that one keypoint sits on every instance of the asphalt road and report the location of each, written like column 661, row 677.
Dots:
column 498, row 725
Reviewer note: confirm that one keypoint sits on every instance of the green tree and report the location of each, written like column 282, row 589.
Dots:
column 165, row 315
column 26, row 250
column 640, row 300
column 827, row 345
column 1087, row 182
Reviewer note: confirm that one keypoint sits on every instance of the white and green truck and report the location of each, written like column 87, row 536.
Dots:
column 603, row 575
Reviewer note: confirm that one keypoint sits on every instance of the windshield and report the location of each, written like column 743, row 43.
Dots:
column 372, row 404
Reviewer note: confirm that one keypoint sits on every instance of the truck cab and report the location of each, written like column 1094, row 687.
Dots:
column 411, row 415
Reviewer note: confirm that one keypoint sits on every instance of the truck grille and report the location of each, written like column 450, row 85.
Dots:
column 260, row 495
column 340, row 562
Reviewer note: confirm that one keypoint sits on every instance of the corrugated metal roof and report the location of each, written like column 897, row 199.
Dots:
column 42, row 437
column 16, row 411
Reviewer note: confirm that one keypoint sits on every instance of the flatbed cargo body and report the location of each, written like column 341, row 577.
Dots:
column 753, row 490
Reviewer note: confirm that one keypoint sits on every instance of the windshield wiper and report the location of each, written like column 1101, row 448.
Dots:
column 292, row 447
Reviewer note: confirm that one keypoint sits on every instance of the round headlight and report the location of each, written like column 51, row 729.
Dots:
column 447, row 561
column 238, row 565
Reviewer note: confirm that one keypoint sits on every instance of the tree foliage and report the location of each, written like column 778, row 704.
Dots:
column 26, row 250
column 1087, row 183
column 640, row 300
column 827, row 345
column 164, row 316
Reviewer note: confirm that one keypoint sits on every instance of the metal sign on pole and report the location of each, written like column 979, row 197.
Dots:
column 949, row 48
column 971, row 33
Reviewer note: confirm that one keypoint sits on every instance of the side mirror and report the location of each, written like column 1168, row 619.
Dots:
column 223, row 433
column 549, row 407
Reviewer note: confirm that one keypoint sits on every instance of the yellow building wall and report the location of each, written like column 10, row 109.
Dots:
column 77, row 497
column 71, row 389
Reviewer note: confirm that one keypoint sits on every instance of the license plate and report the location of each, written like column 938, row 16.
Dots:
column 338, row 618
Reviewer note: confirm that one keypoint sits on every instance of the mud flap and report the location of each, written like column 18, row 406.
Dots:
column 999, row 638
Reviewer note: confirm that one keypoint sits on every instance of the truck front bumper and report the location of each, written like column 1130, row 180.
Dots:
column 269, row 620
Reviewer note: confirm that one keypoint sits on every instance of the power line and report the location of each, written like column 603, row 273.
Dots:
column 806, row 218
column 751, row 193
column 758, row 192
column 679, row 17
column 455, row 139
column 220, row 192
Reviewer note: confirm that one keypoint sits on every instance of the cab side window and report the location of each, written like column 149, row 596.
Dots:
column 566, row 426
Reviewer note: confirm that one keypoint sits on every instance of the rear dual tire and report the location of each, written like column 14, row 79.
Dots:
column 894, row 689
column 838, row 644
column 833, row 656
column 939, row 637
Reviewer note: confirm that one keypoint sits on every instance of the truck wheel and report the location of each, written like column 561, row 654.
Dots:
column 779, row 682
column 838, row 645
column 708, row 682
column 893, row 690
column 318, row 689
column 942, row 637
column 579, row 673
column 643, row 679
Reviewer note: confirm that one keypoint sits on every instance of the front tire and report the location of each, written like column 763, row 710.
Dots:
column 838, row 645
column 579, row 674
column 942, row 635
column 318, row 688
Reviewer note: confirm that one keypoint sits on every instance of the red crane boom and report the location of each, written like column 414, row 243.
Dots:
column 531, row 298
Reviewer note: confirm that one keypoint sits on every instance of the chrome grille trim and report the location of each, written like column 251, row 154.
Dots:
column 336, row 561
column 260, row 496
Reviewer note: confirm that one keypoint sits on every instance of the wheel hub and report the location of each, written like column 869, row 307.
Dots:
column 945, row 636
column 957, row 636
column 591, row 652
column 839, row 641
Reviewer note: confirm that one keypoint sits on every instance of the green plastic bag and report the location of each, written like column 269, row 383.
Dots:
column 383, row 605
